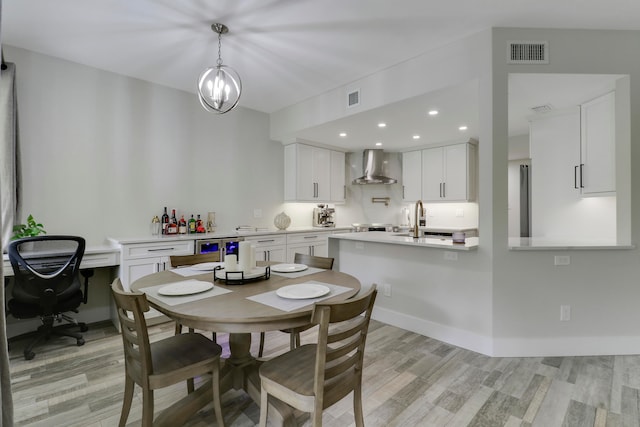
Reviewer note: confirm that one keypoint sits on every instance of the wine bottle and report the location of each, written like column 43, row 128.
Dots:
column 182, row 225
column 192, row 225
column 165, row 222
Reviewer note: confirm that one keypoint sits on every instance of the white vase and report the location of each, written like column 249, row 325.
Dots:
column 282, row 221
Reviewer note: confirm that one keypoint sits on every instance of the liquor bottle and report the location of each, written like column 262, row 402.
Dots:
column 173, row 223
column 192, row 225
column 182, row 225
column 165, row 222
column 200, row 226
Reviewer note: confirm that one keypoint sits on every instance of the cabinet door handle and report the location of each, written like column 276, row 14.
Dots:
column 440, row 189
column 315, row 189
column 444, row 189
column 575, row 177
column 581, row 176
column 160, row 249
column 403, row 196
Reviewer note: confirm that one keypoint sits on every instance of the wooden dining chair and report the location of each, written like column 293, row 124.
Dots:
column 161, row 363
column 294, row 333
column 188, row 260
column 315, row 376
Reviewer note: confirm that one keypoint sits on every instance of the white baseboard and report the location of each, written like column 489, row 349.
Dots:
column 511, row 347
column 458, row 337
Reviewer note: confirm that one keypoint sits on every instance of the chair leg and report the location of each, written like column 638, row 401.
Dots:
column 297, row 337
column 147, row 408
column 263, row 407
column 126, row 401
column 357, row 404
column 190, row 385
column 217, row 405
column 178, row 329
column 261, row 348
column 214, row 337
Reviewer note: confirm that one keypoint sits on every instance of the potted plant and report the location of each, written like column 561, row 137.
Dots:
column 30, row 229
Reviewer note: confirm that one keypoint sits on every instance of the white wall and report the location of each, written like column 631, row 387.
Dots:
column 600, row 285
column 102, row 153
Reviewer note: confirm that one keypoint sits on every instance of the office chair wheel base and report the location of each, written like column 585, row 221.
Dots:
column 80, row 342
column 84, row 328
column 28, row 355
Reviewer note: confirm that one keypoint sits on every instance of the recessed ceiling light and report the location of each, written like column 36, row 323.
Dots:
column 382, row 125
column 416, row 136
column 433, row 112
column 378, row 144
column 463, row 127
column 343, row 134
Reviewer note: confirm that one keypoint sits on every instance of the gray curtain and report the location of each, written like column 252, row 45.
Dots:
column 8, row 201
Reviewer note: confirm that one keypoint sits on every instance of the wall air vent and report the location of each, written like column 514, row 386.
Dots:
column 353, row 98
column 542, row 108
column 523, row 52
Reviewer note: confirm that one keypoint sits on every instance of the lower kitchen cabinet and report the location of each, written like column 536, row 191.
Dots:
column 307, row 243
column 271, row 247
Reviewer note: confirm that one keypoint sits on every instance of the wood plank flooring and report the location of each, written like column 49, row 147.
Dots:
column 409, row 380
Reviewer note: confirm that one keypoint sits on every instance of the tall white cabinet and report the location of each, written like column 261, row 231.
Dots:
column 597, row 146
column 313, row 174
column 440, row 174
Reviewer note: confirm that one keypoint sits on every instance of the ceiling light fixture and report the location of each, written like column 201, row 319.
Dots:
column 463, row 127
column 433, row 112
column 219, row 87
column 378, row 144
column 416, row 136
column 343, row 134
column 382, row 125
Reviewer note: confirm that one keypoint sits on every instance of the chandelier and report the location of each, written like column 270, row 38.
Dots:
column 219, row 87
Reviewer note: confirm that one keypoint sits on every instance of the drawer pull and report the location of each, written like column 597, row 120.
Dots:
column 266, row 241
column 310, row 237
column 160, row 249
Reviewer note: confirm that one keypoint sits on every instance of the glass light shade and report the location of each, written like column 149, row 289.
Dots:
column 219, row 89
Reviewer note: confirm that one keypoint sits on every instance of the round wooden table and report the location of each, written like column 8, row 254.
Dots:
column 233, row 313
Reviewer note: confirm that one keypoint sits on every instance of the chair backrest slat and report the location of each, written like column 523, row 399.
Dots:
column 313, row 261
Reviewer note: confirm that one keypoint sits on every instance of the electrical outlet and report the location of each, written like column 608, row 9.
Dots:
column 450, row 256
column 386, row 290
column 562, row 260
column 257, row 213
column 359, row 245
column 565, row 313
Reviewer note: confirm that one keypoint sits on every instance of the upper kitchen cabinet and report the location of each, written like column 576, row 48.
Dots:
column 448, row 173
column 412, row 176
column 597, row 146
column 313, row 174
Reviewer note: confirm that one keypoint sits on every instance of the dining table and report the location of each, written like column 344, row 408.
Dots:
column 263, row 301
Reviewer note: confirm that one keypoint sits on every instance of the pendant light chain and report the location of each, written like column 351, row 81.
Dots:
column 219, row 62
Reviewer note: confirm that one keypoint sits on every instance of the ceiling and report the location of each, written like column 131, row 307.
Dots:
column 287, row 51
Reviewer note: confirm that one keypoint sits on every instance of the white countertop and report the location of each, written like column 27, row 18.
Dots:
column 545, row 243
column 220, row 234
column 394, row 238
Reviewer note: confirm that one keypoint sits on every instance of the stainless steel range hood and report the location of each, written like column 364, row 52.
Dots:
column 374, row 166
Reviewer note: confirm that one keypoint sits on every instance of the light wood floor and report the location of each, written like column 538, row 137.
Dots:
column 409, row 380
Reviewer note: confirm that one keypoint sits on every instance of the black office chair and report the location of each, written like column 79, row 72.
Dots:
column 46, row 284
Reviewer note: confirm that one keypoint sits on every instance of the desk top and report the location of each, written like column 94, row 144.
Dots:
column 233, row 312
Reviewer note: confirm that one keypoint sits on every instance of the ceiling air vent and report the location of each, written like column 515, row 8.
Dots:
column 520, row 52
column 353, row 98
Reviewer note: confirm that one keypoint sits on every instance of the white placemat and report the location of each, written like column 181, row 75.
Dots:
column 188, row 271
column 273, row 300
column 293, row 275
column 152, row 291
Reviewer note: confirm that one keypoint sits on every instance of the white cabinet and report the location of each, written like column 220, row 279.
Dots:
column 412, row 176
column 448, row 173
column 307, row 243
column 141, row 259
column 308, row 174
column 272, row 247
column 595, row 175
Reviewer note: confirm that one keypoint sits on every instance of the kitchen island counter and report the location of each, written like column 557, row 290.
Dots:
column 396, row 238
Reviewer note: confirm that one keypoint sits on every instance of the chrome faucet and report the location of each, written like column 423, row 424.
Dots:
column 416, row 230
